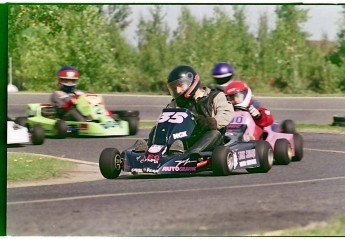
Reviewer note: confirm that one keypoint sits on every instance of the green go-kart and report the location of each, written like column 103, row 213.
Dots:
column 99, row 123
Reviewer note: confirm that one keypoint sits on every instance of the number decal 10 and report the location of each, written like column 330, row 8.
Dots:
column 238, row 120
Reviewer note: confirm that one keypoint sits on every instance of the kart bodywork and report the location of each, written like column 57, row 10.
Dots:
column 179, row 124
column 18, row 134
column 286, row 143
column 91, row 105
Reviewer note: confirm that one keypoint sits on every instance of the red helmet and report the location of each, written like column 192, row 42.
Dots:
column 67, row 78
column 239, row 89
column 68, row 72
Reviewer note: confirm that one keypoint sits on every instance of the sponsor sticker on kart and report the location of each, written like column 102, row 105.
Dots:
column 143, row 170
column 178, row 169
column 245, row 158
column 180, row 135
column 156, row 148
column 151, row 158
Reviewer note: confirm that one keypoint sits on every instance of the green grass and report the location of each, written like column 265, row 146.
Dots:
column 320, row 128
column 335, row 227
column 26, row 167
column 146, row 124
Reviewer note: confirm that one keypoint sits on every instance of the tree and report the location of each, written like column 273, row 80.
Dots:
column 264, row 54
column 117, row 14
column 338, row 57
column 153, row 37
column 290, row 46
column 82, row 41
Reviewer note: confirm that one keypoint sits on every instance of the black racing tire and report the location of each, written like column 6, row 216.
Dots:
column 288, row 126
column 282, row 152
column 126, row 113
column 22, row 120
column 338, row 120
column 132, row 124
column 110, row 163
column 37, row 135
column 222, row 161
column 298, row 141
column 60, row 129
column 265, row 153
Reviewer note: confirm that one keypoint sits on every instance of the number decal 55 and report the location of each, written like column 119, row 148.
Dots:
column 172, row 117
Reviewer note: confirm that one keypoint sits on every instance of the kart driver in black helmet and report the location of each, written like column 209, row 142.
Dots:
column 211, row 109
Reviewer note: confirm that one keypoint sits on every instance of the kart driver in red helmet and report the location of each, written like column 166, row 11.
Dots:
column 64, row 99
column 240, row 95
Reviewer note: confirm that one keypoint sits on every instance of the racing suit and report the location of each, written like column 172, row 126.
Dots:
column 262, row 118
column 212, row 103
column 266, row 118
column 65, row 108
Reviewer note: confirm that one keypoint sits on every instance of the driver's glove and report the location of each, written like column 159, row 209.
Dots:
column 71, row 102
column 254, row 112
column 206, row 123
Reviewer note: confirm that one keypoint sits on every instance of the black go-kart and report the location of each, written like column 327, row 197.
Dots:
column 256, row 156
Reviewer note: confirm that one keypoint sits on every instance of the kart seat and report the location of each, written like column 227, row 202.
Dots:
column 48, row 112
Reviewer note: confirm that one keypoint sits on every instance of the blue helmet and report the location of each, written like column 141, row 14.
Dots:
column 222, row 73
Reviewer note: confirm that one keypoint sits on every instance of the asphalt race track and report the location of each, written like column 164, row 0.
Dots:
column 298, row 194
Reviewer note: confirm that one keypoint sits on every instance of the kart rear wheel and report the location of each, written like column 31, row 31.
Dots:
column 298, row 140
column 288, row 126
column 282, row 152
column 37, row 135
column 22, row 120
column 265, row 154
column 222, row 161
column 132, row 124
column 110, row 163
column 60, row 129
column 132, row 117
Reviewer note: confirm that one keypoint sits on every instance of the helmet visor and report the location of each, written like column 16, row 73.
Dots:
column 178, row 87
column 238, row 97
column 68, row 82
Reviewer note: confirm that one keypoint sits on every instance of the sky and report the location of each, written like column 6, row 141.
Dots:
column 323, row 19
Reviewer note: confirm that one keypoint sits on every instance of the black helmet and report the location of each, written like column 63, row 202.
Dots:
column 183, row 81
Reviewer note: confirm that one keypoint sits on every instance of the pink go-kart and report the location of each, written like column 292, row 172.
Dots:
column 286, row 143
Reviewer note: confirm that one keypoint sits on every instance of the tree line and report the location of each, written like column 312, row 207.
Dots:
column 43, row 37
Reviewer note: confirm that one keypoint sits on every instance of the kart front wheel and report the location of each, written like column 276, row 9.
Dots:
column 282, row 152
column 60, row 129
column 298, row 140
column 264, row 153
column 222, row 161
column 110, row 163
column 37, row 135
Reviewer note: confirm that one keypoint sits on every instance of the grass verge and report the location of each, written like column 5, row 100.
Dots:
column 333, row 228
column 27, row 167
column 320, row 128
